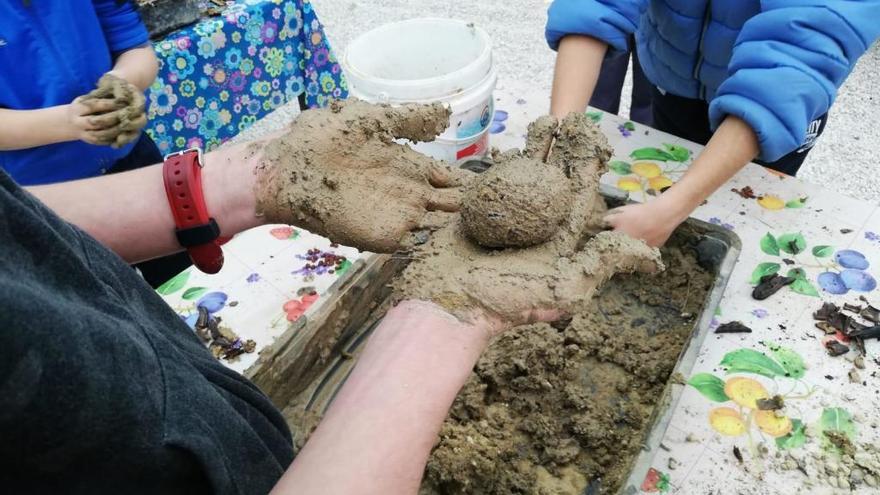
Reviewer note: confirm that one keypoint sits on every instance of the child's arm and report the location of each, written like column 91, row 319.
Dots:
column 577, row 70
column 23, row 129
column 128, row 40
column 582, row 31
column 732, row 146
column 138, row 66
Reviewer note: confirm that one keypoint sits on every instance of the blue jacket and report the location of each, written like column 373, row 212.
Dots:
column 777, row 64
column 50, row 53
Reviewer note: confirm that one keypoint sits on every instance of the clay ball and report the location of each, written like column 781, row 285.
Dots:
column 518, row 203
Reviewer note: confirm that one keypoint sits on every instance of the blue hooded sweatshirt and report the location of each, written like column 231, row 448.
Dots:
column 52, row 51
column 776, row 64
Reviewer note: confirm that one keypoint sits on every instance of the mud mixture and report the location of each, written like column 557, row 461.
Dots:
column 518, row 203
column 550, row 411
column 512, row 206
column 547, row 411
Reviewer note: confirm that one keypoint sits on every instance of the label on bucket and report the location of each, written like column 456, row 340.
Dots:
column 472, row 122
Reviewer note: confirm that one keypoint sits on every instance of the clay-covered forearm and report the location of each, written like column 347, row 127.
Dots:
column 23, row 129
column 129, row 212
column 577, row 69
column 138, row 66
column 379, row 431
column 733, row 145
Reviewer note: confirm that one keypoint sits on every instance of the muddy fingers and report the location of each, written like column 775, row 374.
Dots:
column 441, row 175
column 612, row 252
column 109, row 119
column 448, row 200
column 540, row 136
column 99, row 106
column 413, row 122
column 133, row 123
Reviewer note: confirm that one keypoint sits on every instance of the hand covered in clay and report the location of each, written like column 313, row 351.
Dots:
column 338, row 172
column 528, row 245
column 116, row 112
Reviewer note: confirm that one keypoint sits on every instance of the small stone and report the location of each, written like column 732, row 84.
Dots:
column 691, row 438
column 863, row 459
column 842, row 482
column 859, row 362
column 672, row 464
column 831, row 466
column 789, row 465
column 856, row 476
column 833, row 482
column 854, row 376
column 870, row 480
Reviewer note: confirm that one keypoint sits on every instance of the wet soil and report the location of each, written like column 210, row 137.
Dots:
column 550, row 411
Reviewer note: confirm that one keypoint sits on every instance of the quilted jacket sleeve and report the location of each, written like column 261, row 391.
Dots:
column 788, row 63
column 121, row 24
column 608, row 20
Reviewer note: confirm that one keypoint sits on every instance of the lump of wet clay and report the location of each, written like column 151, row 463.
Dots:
column 518, row 203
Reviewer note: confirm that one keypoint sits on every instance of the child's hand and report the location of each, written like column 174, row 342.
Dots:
column 116, row 112
column 651, row 222
column 82, row 121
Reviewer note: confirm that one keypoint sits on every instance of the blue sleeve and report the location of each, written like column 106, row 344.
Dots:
column 608, row 20
column 121, row 24
column 788, row 63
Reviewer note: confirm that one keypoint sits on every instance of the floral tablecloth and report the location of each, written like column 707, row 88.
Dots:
column 718, row 441
column 219, row 76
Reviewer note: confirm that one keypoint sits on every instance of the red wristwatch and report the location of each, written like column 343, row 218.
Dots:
column 196, row 230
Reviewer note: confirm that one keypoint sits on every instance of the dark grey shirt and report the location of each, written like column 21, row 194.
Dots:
column 103, row 389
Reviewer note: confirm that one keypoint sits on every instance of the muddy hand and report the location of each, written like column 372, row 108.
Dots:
column 117, row 112
column 555, row 276
column 518, row 286
column 338, row 172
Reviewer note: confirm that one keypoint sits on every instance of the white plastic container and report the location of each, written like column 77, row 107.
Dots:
column 427, row 61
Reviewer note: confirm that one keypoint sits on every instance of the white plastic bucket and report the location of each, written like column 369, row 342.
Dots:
column 427, row 61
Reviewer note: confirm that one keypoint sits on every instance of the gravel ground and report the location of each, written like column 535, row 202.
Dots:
column 842, row 160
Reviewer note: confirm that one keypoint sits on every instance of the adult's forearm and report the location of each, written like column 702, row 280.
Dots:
column 138, row 66
column 578, row 63
column 379, row 431
column 733, row 145
column 22, row 129
column 129, row 212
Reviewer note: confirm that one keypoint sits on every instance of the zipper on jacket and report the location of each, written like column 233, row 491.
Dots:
column 706, row 17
